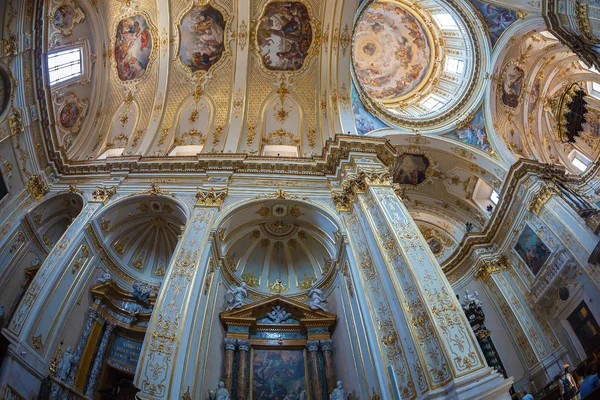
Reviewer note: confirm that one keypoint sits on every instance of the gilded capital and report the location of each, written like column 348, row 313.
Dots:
column 211, row 197
column 102, row 194
column 542, row 196
column 491, row 266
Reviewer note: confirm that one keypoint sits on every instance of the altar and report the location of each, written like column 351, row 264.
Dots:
column 278, row 348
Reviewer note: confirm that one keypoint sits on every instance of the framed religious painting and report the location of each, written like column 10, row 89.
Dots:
column 278, row 374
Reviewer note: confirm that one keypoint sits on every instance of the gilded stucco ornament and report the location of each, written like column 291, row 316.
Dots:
column 491, row 266
column 37, row 187
column 540, row 198
column 102, row 194
column 64, row 16
column 211, row 197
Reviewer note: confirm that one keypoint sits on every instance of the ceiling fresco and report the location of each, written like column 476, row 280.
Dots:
column 133, row 47
column 392, row 54
column 284, row 36
column 202, row 33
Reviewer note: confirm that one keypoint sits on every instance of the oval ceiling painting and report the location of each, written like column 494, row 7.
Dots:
column 133, row 47
column 202, row 38
column 284, row 36
column 392, row 53
column 69, row 115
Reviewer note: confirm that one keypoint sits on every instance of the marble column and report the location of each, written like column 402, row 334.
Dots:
column 242, row 377
column 326, row 350
column 99, row 360
column 83, row 339
column 315, row 371
column 230, row 346
column 81, row 370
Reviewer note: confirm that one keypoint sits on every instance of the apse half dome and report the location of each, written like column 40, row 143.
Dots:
column 417, row 66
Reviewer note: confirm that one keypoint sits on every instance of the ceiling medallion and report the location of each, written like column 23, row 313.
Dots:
column 202, row 30
column 133, row 47
column 286, row 36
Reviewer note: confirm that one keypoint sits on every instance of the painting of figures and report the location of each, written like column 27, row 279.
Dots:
column 278, row 375
column 365, row 122
column 63, row 17
column 133, row 47
column 392, row 54
column 473, row 133
column 202, row 38
column 69, row 115
column 284, row 36
column 591, row 127
column 534, row 95
column 532, row 250
column 497, row 18
column 410, row 169
column 512, row 85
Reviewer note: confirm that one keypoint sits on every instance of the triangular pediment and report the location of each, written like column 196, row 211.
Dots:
column 252, row 313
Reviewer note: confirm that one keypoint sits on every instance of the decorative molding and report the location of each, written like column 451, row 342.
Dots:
column 102, row 194
column 542, row 196
column 491, row 266
column 37, row 187
column 211, row 197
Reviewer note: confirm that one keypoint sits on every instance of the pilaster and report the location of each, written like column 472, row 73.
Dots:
column 160, row 353
column 442, row 347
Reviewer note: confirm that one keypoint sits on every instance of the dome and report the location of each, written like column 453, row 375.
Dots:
column 416, row 67
column 392, row 52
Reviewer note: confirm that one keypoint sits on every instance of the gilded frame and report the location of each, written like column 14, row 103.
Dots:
column 153, row 54
column 312, row 51
column 227, row 18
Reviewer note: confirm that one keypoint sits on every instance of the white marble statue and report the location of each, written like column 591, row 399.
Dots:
column 278, row 315
column 105, row 277
column 238, row 295
column 63, row 369
column 221, row 393
column 338, row 393
column 315, row 295
column 471, row 298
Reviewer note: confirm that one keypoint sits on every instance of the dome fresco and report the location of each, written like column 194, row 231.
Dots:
column 391, row 54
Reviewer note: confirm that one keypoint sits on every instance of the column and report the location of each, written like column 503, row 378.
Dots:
column 242, row 377
column 85, row 348
column 315, row 372
column 326, row 348
column 230, row 346
column 99, row 361
column 425, row 338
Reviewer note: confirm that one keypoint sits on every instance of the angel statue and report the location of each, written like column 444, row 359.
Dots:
column 316, row 298
column 238, row 295
column 338, row 393
column 220, row 394
column 63, row 370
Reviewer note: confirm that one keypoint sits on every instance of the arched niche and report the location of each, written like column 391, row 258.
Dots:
column 139, row 234
column 279, row 239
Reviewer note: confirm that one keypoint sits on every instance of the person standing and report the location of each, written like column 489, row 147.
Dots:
column 567, row 385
